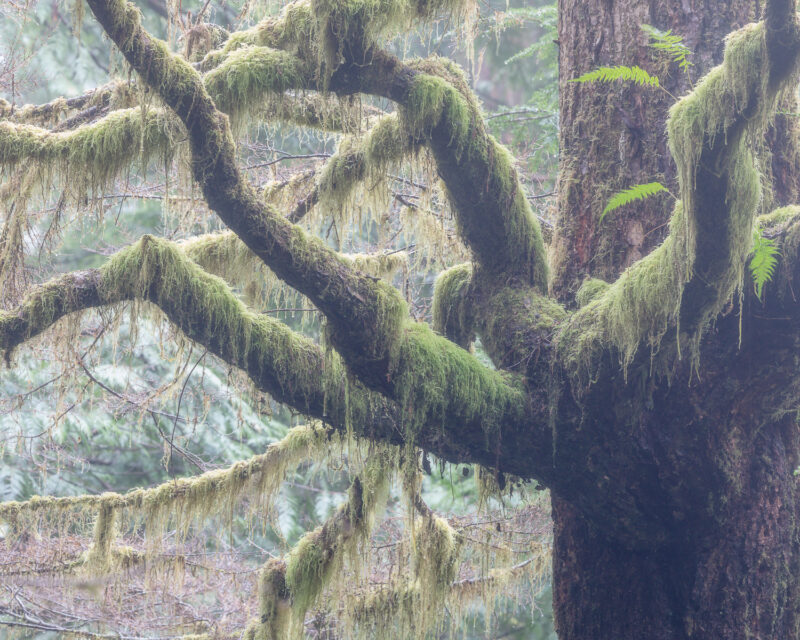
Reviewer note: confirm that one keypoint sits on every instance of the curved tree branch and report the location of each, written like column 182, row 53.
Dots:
column 499, row 429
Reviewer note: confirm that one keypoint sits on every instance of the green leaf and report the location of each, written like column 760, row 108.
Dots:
column 614, row 74
column 763, row 261
column 670, row 44
column 636, row 192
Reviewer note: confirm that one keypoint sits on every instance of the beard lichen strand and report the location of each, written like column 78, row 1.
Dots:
column 363, row 160
column 727, row 110
column 195, row 497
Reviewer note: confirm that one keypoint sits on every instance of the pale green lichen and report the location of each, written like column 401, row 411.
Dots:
column 194, row 498
column 320, row 554
column 274, row 607
column 89, row 158
column 363, row 161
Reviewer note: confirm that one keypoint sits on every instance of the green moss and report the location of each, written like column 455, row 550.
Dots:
column 590, row 289
column 452, row 309
column 91, row 157
column 779, row 217
column 378, row 265
column 250, row 75
column 432, row 99
column 438, row 383
column 480, row 176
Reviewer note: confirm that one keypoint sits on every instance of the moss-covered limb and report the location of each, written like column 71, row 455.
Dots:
column 493, row 215
column 441, row 398
column 196, row 496
column 51, row 113
column 274, row 604
column 46, row 304
column 436, row 382
column 90, row 156
column 288, row 588
column 365, row 315
column 492, row 212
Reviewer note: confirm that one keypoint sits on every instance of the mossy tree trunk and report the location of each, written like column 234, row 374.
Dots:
column 661, row 414
column 710, row 461
column 613, row 136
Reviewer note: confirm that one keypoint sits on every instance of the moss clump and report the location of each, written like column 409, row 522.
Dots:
column 590, row 289
column 452, row 309
column 779, row 217
column 359, row 160
column 248, row 76
column 273, row 604
column 432, row 100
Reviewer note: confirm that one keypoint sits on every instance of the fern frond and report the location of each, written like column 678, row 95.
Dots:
column 763, row 261
column 613, row 74
column 670, row 44
column 636, row 192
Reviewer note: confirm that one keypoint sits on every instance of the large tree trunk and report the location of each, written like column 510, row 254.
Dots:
column 702, row 455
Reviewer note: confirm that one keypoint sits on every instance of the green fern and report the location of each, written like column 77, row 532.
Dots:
column 763, row 261
column 670, row 44
column 614, row 74
column 636, row 192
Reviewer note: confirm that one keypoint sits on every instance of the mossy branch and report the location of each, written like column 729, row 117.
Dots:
column 191, row 498
column 440, row 397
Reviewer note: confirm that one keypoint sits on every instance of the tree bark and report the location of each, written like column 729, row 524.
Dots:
column 708, row 456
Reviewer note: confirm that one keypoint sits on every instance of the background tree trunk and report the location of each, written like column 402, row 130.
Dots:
column 703, row 453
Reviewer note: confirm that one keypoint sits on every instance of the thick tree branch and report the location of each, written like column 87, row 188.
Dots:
column 486, row 419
